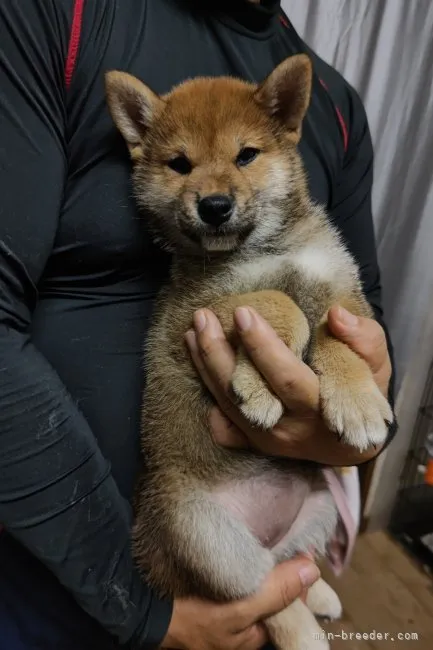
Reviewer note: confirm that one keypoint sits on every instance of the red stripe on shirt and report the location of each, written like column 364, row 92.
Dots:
column 341, row 121
column 74, row 41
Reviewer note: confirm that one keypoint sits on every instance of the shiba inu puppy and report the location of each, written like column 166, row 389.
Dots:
column 217, row 171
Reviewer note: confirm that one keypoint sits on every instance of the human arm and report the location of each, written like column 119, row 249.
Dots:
column 57, row 495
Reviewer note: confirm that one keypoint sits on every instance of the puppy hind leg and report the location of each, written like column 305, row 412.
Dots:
column 323, row 601
column 219, row 549
column 295, row 628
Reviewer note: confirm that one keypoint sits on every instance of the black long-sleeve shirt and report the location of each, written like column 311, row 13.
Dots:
column 78, row 273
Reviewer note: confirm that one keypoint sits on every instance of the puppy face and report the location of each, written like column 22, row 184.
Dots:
column 215, row 158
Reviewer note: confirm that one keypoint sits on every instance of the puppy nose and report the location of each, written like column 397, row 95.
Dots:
column 215, row 209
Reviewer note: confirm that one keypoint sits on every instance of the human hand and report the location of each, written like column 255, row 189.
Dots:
column 301, row 433
column 204, row 625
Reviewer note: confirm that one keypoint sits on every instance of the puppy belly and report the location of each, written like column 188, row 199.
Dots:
column 268, row 505
column 312, row 528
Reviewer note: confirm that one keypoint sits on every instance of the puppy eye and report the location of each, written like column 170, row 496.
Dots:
column 180, row 164
column 246, row 155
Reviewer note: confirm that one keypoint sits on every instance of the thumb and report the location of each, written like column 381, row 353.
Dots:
column 363, row 335
column 286, row 583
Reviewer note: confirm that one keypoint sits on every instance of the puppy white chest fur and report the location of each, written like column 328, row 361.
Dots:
column 316, row 264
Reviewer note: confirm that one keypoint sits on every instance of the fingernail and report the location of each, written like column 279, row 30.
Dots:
column 243, row 318
column 346, row 317
column 199, row 320
column 309, row 574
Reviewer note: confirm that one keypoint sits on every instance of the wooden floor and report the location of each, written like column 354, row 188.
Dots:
column 382, row 591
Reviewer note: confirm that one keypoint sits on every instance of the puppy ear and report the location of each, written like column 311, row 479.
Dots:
column 285, row 93
column 132, row 106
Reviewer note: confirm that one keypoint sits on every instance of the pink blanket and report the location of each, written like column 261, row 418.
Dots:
column 343, row 483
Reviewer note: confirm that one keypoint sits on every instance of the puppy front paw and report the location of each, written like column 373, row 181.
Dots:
column 255, row 399
column 356, row 410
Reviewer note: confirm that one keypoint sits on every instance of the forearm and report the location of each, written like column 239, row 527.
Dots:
column 58, row 498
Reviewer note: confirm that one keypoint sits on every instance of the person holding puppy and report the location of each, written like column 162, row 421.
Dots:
column 78, row 276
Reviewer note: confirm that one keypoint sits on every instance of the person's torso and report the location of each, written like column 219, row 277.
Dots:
column 98, row 289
